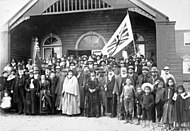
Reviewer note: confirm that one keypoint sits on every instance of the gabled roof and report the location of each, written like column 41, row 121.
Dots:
column 37, row 7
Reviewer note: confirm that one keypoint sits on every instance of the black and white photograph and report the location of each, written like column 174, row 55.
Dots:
column 94, row 65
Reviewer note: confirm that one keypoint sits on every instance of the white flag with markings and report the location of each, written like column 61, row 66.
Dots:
column 120, row 39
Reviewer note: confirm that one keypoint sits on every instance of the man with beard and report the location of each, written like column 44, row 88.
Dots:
column 118, row 87
column 134, row 76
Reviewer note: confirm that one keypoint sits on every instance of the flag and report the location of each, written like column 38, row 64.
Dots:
column 120, row 39
column 36, row 54
column 38, row 62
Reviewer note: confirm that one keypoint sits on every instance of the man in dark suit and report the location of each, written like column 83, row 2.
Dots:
column 18, row 90
column 144, row 77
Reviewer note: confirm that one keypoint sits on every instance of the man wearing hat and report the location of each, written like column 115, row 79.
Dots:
column 132, row 74
column 122, row 63
column 103, row 65
column 28, row 86
column 155, row 79
column 166, row 74
column 111, row 98
column 155, row 76
column 58, row 70
column 54, row 80
column 18, row 90
column 144, row 77
column 102, row 85
column 59, row 88
column 91, row 63
column 118, row 87
column 137, row 66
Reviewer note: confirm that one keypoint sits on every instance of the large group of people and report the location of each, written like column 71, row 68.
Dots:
column 95, row 86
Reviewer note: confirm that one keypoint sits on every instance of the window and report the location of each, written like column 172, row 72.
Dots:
column 140, row 44
column 51, row 47
column 90, row 41
column 186, row 38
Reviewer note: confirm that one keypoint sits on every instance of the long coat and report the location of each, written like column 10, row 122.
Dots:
column 31, row 100
column 58, row 90
column 18, row 89
column 52, row 91
column 82, row 80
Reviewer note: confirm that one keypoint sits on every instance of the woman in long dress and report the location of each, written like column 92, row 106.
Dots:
column 70, row 95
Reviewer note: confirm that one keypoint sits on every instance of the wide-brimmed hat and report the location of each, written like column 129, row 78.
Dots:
column 130, row 67
column 147, row 85
column 145, row 68
column 154, row 69
column 102, row 61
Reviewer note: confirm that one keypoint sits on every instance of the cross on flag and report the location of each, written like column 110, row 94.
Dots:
column 120, row 39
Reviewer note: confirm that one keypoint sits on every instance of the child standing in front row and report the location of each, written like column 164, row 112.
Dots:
column 128, row 95
column 168, row 117
column 180, row 112
column 147, row 104
column 159, row 91
column 138, row 97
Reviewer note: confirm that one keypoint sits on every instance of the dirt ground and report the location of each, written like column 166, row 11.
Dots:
column 14, row 122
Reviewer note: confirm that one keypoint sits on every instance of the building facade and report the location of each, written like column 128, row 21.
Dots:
column 82, row 26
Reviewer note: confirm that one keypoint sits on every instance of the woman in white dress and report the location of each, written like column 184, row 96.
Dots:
column 70, row 95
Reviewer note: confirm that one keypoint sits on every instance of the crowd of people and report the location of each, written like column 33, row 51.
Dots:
column 95, row 86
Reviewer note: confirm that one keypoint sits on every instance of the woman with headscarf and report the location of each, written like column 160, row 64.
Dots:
column 70, row 95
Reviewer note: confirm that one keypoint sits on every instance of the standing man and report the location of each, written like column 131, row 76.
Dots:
column 54, row 80
column 166, row 74
column 144, row 77
column 18, row 90
column 111, row 96
column 118, row 87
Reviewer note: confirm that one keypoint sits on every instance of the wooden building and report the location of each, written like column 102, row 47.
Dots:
column 182, row 40
column 70, row 26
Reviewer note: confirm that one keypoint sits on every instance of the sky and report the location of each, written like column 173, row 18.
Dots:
column 176, row 10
